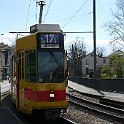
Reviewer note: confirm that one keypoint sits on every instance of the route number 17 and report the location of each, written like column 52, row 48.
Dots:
column 49, row 38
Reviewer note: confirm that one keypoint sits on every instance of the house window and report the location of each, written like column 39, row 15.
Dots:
column 86, row 62
column 87, row 70
column 104, row 61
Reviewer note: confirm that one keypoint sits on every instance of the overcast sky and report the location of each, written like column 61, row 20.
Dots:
column 72, row 15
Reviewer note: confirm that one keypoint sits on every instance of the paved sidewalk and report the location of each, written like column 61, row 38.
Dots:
column 5, row 87
column 108, row 95
column 4, row 81
column 84, row 89
column 7, row 117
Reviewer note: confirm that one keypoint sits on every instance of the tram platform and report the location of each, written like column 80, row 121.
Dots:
column 114, row 96
column 4, row 81
column 7, row 117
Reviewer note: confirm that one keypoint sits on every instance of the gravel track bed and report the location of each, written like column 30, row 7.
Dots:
column 81, row 116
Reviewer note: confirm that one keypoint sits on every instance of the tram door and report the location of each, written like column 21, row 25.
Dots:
column 20, row 78
column 17, row 83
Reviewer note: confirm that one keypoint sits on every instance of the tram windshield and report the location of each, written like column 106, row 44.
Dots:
column 50, row 66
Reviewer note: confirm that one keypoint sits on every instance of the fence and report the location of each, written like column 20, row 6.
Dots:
column 101, row 84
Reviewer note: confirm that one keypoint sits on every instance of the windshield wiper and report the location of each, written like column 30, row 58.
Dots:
column 56, row 60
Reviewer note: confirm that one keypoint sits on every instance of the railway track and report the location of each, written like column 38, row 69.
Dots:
column 29, row 119
column 82, row 100
column 94, row 105
column 63, row 120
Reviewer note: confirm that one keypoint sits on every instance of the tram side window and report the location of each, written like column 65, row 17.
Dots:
column 31, row 66
column 13, row 67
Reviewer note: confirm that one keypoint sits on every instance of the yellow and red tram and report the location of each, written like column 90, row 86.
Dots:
column 39, row 66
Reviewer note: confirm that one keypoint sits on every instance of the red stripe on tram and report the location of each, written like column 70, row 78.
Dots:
column 29, row 94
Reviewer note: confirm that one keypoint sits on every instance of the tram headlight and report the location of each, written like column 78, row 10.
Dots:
column 52, row 95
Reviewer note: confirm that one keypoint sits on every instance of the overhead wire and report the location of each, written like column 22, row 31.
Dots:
column 64, row 19
column 75, row 14
column 36, row 10
column 36, row 2
column 18, row 58
column 28, row 14
column 82, row 16
column 47, row 11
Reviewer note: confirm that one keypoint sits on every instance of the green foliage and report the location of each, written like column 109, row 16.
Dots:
column 105, row 72
column 115, row 69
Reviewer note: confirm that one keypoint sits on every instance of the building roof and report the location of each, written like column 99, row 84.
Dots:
column 4, row 46
column 91, row 53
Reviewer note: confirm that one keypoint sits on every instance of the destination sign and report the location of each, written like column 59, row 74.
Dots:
column 50, row 40
column 49, row 45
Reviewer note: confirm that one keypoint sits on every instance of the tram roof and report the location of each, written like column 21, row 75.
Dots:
column 45, row 28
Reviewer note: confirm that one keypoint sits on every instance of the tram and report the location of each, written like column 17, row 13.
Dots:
column 39, row 72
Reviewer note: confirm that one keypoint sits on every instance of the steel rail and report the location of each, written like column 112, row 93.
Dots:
column 99, row 108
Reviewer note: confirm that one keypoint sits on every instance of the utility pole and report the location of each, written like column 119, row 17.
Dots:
column 94, row 36
column 41, row 3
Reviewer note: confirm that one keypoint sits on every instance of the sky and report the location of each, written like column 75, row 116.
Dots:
column 71, row 15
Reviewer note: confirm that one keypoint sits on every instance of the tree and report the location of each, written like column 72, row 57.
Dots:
column 117, row 63
column 116, row 26
column 100, row 51
column 115, row 69
column 77, row 50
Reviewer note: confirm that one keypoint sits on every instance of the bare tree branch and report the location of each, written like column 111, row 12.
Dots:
column 116, row 26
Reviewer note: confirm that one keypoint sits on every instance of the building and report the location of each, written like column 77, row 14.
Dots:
column 88, row 63
column 4, row 61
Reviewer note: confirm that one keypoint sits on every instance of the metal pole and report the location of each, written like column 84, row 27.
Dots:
column 73, row 60
column 0, row 68
column 94, row 36
column 0, row 95
column 41, row 3
column 69, row 32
